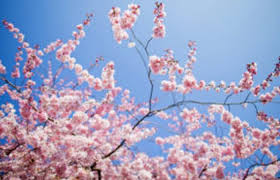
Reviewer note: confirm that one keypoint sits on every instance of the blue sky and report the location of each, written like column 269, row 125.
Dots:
column 229, row 35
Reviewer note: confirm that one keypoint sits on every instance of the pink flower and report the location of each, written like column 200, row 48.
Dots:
column 135, row 9
column 42, row 116
column 236, row 123
column 180, row 70
column 79, row 117
column 156, row 64
column 222, row 84
column 98, row 84
column 201, row 84
column 256, row 90
column 252, row 68
column 40, row 53
column 10, row 27
column 121, row 23
column 220, row 173
column 264, row 84
column 159, row 28
column 128, row 19
column 16, row 73
column 80, row 27
column 144, row 174
column 189, row 81
column 99, row 123
column 190, row 115
column 227, row 117
column 256, row 133
column 2, row 68
column 212, row 84
column 143, row 111
column 78, row 69
column 162, row 115
column 265, row 98
column 159, row 141
column 168, row 85
column 20, row 37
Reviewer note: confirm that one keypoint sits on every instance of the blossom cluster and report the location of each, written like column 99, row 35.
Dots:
column 159, row 28
column 52, row 46
column 247, row 81
column 267, row 97
column 33, row 59
column 120, row 23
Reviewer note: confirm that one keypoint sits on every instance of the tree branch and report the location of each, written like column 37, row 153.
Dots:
column 92, row 167
column 124, row 140
column 202, row 171
column 114, row 150
column 9, row 151
column 19, row 91
column 205, row 103
column 11, row 84
column 258, row 164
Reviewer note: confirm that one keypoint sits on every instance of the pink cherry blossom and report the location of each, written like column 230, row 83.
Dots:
column 2, row 68
column 156, row 64
column 189, row 81
column 159, row 28
column 83, row 125
column 121, row 23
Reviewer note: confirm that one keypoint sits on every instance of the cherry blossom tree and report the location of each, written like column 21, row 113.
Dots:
column 56, row 128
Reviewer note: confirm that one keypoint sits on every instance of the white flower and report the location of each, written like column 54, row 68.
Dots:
column 131, row 45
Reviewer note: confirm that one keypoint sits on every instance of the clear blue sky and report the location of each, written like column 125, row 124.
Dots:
column 229, row 35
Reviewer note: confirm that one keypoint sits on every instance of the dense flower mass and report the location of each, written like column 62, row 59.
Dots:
column 90, row 128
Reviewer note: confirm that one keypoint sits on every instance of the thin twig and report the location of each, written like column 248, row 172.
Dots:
column 11, row 84
column 226, row 99
column 205, row 103
column 142, row 58
column 148, row 42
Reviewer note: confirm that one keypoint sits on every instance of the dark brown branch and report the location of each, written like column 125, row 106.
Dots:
column 124, row 140
column 202, row 171
column 142, row 119
column 19, row 91
column 92, row 168
column 9, row 151
column 98, row 173
column 114, row 150
column 257, row 164
column 11, row 84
